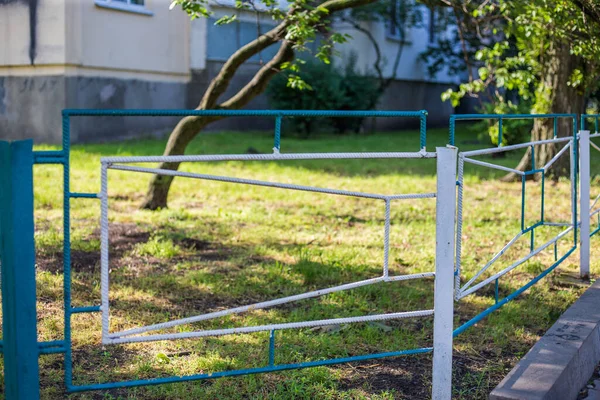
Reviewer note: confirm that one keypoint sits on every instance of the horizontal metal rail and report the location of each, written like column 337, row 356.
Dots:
column 511, row 296
column 249, row 371
column 495, row 166
column 270, row 327
column 238, row 113
column 514, row 147
column 267, row 304
column 271, row 184
column 556, row 157
column 267, row 157
column 492, row 261
column 514, row 265
column 466, row 117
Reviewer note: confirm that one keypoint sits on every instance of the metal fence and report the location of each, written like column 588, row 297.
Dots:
column 587, row 210
column 569, row 144
column 18, row 284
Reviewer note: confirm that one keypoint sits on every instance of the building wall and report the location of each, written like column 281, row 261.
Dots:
column 410, row 68
column 76, row 54
column 88, row 56
column 31, row 32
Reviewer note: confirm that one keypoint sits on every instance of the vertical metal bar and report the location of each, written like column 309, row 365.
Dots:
column 444, row 273
column 522, row 202
column 532, row 244
column 66, row 142
column 500, row 132
column 532, row 157
column 104, row 267
column 17, row 253
column 386, row 240
column 423, row 130
column 556, row 251
column 574, row 156
column 496, row 292
column 584, row 198
column 452, row 130
column 543, row 196
column 596, row 125
column 277, row 144
column 272, row 348
column 459, row 221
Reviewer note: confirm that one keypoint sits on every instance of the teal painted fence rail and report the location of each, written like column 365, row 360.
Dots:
column 61, row 157
column 29, row 346
column 17, row 253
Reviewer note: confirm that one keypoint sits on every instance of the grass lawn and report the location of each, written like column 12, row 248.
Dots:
column 221, row 245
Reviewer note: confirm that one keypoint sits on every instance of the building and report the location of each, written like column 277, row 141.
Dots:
column 60, row 54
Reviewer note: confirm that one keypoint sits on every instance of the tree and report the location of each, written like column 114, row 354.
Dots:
column 546, row 51
column 297, row 27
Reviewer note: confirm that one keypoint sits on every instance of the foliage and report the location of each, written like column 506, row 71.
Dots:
column 513, row 130
column 505, row 43
column 305, row 21
column 329, row 89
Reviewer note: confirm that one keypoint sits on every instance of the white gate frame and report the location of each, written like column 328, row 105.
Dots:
column 584, row 204
column 443, row 317
column 443, row 312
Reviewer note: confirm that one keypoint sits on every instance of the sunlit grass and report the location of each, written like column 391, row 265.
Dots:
column 223, row 245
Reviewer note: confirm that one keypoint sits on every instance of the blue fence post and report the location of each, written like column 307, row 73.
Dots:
column 17, row 251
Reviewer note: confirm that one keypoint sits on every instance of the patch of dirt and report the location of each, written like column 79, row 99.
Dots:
column 124, row 238
column 408, row 376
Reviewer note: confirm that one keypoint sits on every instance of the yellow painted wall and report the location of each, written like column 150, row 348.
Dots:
column 15, row 37
column 127, row 41
column 77, row 37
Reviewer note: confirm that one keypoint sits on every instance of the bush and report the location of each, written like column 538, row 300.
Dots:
column 513, row 130
column 331, row 89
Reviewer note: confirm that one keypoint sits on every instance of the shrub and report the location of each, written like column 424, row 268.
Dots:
column 330, row 89
column 513, row 130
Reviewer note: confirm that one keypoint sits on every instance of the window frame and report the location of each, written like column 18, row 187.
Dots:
column 124, row 5
column 389, row 25
column 432, row 27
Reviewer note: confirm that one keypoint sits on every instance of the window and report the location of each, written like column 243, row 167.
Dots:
column 395, row 28
column 134, row 6
column 432, row 26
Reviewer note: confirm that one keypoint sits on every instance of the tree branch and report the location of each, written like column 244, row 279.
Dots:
column 220, row 83
column 260, row 80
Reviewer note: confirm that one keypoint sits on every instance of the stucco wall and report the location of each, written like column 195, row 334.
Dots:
column 410, row 68
column 78, row 37
column 112, row 39
column 32, row 32
column 30, row 107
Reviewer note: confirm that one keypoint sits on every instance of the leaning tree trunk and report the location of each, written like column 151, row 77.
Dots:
column 182, row 135
column 559, row 98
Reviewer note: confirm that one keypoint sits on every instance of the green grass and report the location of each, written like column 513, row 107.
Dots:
column 221, row 245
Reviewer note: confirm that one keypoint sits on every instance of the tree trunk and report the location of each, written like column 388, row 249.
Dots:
column 182, row 135
column 554, row 96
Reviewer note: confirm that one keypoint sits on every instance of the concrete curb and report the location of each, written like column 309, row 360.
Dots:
column 563, row 360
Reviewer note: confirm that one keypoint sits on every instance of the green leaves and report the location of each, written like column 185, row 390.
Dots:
column 307, row 23
column 226, row 19
column 514, row 59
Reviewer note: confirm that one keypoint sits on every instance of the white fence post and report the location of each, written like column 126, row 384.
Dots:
column 444, row 273
column 584, row 203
